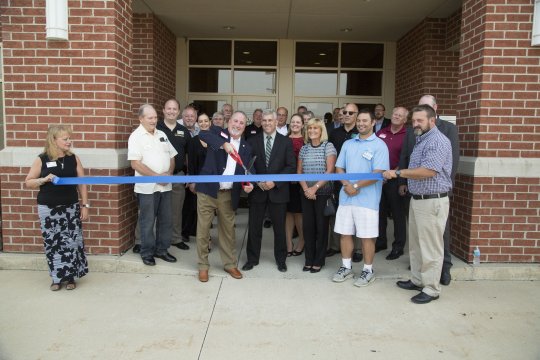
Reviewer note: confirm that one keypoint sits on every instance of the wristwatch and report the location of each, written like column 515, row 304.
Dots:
column 355, row 185
column 398, row 173
column 85, row 205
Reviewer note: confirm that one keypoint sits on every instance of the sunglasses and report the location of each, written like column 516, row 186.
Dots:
column 348, row 112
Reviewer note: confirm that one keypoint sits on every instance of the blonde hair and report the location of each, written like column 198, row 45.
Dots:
column 54, row 133
column 316, row 122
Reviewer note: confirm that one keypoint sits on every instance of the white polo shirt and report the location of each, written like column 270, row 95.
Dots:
column 154, row 151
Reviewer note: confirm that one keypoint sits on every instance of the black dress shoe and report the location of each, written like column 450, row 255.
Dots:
column 282, row 267
column 408, row 285
column 267, row 223
column 314, row 271
column 182, row 246
column 394, row 254
column 331, row 252
column 248, row 266
column 446, row 278
column 380, row 248
column 423, row 298
column 137, row 248
column 357, row 257
column 149, row 260
column 166, row 257
column 306, row 268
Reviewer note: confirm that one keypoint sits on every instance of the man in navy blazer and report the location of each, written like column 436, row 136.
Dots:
column 221, row 197
column 274, row 195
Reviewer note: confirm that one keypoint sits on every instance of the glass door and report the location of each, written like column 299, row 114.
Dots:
column 249, row 104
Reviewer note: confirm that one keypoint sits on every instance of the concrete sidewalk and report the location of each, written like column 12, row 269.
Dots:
column 125, row 310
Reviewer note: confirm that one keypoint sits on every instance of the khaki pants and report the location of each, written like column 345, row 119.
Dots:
column 178, row 196
column 206, row 205
column 427, row 220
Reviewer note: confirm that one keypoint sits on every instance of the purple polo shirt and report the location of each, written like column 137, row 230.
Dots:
column 394, row 142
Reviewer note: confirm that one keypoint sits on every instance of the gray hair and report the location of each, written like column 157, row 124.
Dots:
column 143, row 107
column 270, row 112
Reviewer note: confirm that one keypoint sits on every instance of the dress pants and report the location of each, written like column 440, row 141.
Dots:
column 177, row 202
column 277, row 212
column 392, row 201
column 206, row 208
column 155, row 209
column 315, row 226
column 189, row 215
column 427, row 220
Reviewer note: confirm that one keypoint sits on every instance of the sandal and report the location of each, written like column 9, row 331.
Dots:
column 297, row 253
column 71, row 285
column 289, row 253
column 55, row 286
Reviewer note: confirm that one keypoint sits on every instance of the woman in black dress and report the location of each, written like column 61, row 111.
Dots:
column 59, row 209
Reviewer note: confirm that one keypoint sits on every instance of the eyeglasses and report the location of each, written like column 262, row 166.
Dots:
column 350, row 113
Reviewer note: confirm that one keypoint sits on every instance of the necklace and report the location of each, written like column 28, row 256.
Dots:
column 62, row 163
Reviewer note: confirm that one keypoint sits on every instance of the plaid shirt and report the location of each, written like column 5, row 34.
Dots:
column 432, row 151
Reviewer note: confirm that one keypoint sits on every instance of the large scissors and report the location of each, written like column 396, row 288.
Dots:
column 247, row 170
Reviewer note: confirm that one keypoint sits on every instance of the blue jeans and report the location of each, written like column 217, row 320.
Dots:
column 155, row 208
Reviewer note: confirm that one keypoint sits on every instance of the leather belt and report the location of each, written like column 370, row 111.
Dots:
column 430, row 196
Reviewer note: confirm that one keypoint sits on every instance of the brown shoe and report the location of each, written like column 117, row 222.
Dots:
column 234, row 272
column 203, row 275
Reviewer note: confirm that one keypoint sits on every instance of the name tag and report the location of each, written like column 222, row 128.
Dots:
column 163, row 139
column 224, row 135
column 253, row 131
column 179, row 133
column 51, row 164
column 382, row 136
column 367, row 155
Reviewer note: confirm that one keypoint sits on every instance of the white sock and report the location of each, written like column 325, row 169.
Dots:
column 368, row 267
column 347, row 263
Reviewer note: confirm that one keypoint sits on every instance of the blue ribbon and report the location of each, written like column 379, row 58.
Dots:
column 212, row 178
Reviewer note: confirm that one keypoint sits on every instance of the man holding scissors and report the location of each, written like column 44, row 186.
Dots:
column 227, row 152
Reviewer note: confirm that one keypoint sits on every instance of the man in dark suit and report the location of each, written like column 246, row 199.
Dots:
column 222, row 197
column 450, row 131
column 274, row 156
column 380, row 121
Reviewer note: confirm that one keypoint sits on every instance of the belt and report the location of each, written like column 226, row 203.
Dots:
column 224, row 190
column 430, row 196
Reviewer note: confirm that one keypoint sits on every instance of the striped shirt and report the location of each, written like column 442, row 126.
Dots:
column 432, row 151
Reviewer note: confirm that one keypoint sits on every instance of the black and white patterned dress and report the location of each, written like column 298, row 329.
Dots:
column 60, row 216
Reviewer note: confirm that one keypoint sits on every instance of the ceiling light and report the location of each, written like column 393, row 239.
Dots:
column 228, row 27
column 249, row 62
column 346, row 30
column 317, row 63
column 246, row 52
column 322, row 54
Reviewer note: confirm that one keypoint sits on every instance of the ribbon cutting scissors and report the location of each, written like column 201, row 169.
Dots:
column 236, row 157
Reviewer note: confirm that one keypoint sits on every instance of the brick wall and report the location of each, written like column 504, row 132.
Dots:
column 499, row 117
column 427, row 63
column 84, row 82
column 154, row 62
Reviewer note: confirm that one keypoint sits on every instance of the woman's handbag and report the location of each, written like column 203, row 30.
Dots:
column 330, row 208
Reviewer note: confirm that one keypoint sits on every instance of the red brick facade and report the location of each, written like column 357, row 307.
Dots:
column 84, row 82
column 494, row 91
column 154, row 62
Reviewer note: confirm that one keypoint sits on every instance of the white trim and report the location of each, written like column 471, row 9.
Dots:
column 499, row 167
column 90, row 158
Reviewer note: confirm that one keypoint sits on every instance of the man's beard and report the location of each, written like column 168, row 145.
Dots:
column 234, row 132
column 419, row 132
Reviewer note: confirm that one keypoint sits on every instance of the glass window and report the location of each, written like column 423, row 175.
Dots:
column 209, row 80
column 319, row 108
column 210, row 52
column 256, row 81
column 362, row 55
column 316, row 54
column 366, row 83
column 315, row 83
column 209, row 107
column 255, row 53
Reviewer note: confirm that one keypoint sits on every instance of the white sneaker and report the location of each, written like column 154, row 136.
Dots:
column 342, row 274
column 365, row 278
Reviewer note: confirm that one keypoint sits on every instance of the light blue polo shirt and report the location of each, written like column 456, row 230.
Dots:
column 363, row 156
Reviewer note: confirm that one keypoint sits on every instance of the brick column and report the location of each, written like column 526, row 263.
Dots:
column 154, row 62
column 499, row 125
column 85, row 82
